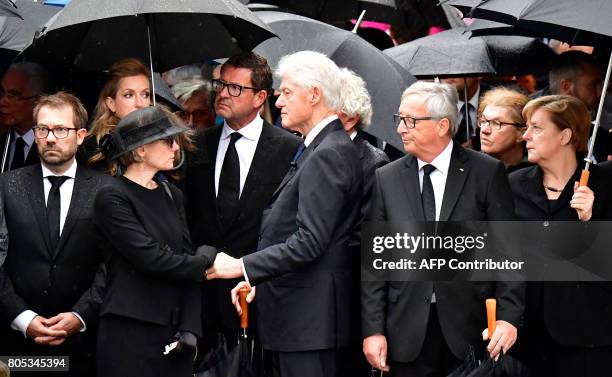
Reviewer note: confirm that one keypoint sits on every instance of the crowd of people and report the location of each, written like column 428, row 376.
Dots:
column 135, row 231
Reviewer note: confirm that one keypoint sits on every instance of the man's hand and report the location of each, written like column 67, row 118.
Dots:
column 502, row 340
column 65, row 321
column 42, row 334
column 582, row 201
column 236, row 295
column 375, row 350
column 224, row 267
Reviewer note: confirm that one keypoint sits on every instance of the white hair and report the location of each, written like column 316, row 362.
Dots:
column 175, row 75
column 309, row 69
column 185, row 89
column 439, row 99
column 354, row 97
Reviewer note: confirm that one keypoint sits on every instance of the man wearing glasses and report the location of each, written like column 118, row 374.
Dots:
column 231, row 178
column 439, row 180
column 20, row 88
column 52, row 257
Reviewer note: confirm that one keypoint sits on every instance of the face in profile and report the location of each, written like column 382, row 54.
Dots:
column 17, row 101
column 544, row 139
column 294, row 104
column 160, row 154
column 62, row 139
column 133, row 92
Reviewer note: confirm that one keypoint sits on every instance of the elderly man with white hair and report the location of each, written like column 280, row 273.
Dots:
column 302, row 266
column 423, row 327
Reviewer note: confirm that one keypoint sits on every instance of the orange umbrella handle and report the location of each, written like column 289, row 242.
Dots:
column 491, row 304
column 584, row 177
column 244, row 317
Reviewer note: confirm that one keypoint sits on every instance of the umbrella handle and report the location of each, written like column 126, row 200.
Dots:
column 244, row 306
column 584, row 177
column 491, row 304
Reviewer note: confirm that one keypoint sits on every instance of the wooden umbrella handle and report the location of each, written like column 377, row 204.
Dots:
column 491, row 304
column 584, row 177
column 244, row 306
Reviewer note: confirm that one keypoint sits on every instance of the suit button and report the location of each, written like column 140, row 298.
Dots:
column 45, row 292
column 259, row 238
column 426, row 299
column 54, row 267
column 546, row 223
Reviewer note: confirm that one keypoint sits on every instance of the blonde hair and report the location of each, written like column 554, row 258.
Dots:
column 565, row 112
column 511, row 99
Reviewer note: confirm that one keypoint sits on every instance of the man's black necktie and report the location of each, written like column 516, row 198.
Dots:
column 465, row 126
column 18, row 155
column 229, row 184
column 427, row 194
column 53, row 208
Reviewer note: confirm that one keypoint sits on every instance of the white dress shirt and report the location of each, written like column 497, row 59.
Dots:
column 29, row 139
column 22, row 321
column 317, row 129
column 438, row 176
column 245, row 147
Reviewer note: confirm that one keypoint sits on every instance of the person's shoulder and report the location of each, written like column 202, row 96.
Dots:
column 518, row 175
column 373, row 153
column 394, row 167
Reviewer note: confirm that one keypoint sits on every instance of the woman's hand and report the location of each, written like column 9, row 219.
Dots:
column 582, row 201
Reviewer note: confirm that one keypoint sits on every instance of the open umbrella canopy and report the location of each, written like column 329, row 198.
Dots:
column 8, row 9
column 575, row 22
column 16, row 33
column 480, row 27
column 384, row 78
column 93, row 34
column 452, row 53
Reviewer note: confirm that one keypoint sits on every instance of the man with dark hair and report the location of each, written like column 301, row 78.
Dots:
column 577, row 74
column 46, row 305
column 20, row 87
column 231, row 178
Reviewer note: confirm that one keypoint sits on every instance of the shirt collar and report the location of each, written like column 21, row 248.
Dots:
column 442, row 161
column 318, row 128
column 71, row 172
column 28, row 137
column 251, row 131
column 473, row 101
column 353, row 135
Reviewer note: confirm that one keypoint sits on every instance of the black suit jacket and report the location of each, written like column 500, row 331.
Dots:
column 38, row 278
column 302, row 268
column 31, row 159
column 273, row 154
column 476, row 189
column 575, row 314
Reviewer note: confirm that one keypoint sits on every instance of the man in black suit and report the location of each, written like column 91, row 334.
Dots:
column 428, row 325
column 20, row 88
column 45, row 299
column 302, row 268
column 229, row 220
column 356, row 114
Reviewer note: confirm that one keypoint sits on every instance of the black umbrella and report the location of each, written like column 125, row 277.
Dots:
column 238, row 362
column 480, row 27
column 453, row 53
column 584, row 22
column 8, row 9
column 93, row 34
column 384, row 78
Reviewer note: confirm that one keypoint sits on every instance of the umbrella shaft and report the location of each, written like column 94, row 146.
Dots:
column 599, row 111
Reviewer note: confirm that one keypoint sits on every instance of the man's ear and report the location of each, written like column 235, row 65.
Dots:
column 315, row 95
column 443, row 127
column 260, row 98
column 566, row 87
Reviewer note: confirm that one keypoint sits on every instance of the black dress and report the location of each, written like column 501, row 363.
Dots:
column 568, row 325
column 152, row 289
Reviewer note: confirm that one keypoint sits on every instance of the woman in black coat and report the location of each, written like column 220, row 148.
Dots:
column 568, row 325
column 152, row 293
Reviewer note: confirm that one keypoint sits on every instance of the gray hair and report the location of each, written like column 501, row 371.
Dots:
column 439, row 99
column 176, row 75
column 309, row 69
column 354, row 97
column 40, row 80
column 185, row 89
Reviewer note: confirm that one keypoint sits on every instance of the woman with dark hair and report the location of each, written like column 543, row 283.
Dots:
column 152, row 293
column 568, row 329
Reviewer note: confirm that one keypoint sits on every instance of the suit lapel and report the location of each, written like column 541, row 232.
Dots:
column 34, row 180
column 81, row 191
column 412, row 187
column 458, row 171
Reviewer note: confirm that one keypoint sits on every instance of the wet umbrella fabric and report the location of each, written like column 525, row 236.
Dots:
column 575, row 22
column 93, row 34
column 16, row 33
column 339, row 10
column 8, row 9
column 452, row 53
column 385, row 79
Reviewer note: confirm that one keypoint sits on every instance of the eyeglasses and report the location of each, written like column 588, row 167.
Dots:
column 14, row 96
column 41, row 132
column 234, row 90
column 409, row 121
column 496, row 124
column 169, row 141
